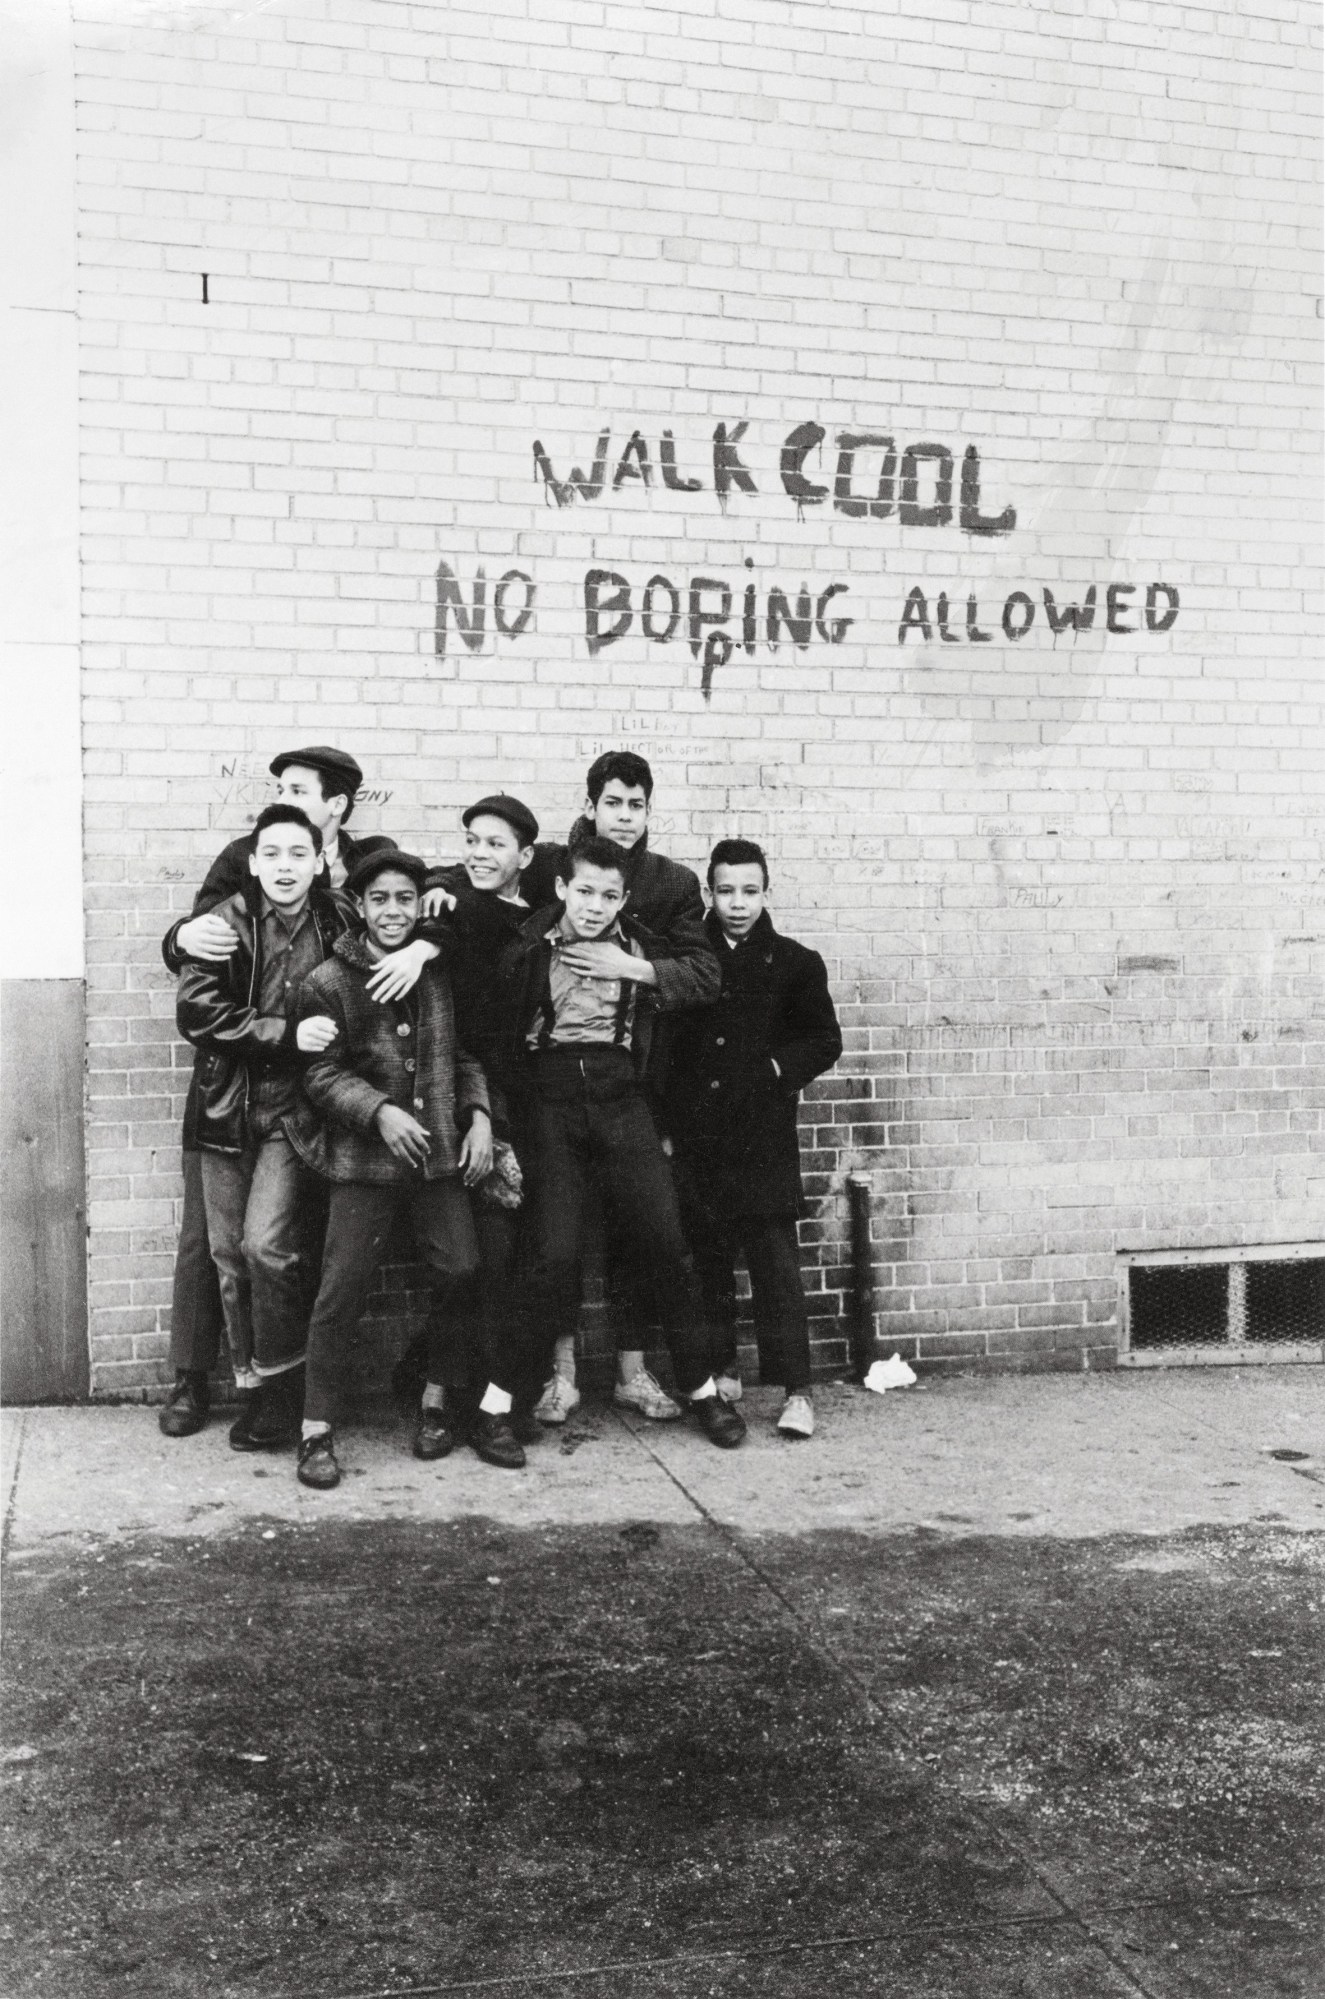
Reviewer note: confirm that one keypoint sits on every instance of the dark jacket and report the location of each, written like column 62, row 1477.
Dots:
column 229, row 875
column 216, row 1009
column 482, row 927
column 731, row 1116
column 404, row 1053
column 523, row 976
column 665, row 901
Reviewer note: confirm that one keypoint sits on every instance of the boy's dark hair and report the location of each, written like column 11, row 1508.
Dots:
column 596, row 853
column 335, row 788
column 737, row 854
column 625, row 767
column 283, row 815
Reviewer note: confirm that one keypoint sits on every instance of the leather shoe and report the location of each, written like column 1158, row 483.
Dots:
column 433, row 1437
column 317, row 1462
column 189, row 1405
column 272, row 1415
column 721, row 1424
column 496, row 1442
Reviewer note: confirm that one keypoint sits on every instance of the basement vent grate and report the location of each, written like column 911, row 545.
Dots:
column 1222, row 1305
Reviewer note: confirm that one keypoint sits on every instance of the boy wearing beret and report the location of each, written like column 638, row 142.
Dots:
column 239, row 1014
column 736, row 1071
column 483, row 897
column 398, row 1119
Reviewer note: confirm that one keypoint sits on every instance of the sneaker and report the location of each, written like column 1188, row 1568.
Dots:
column 317, row 1462
column 721, row 1424
column 797, row 1418
column 647, row 1396
column 729, row 1386
column 557, row 1401
column 433, row 1436
column 496, row 1443
column 186, row 1411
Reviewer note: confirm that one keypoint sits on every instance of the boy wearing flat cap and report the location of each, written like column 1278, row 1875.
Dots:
column 398, row 1119
column 239, row 1014
column 323, row 782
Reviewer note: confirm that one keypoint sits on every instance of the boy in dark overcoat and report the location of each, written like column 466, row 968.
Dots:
column 736, row 1071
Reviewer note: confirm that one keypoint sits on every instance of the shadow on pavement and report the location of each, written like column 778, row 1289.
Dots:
column 395, row 1757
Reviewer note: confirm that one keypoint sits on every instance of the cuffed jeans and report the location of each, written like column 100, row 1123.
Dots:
column 588, row 1112
column 197, row 1321
column 358, row 1226
column 260, row 1204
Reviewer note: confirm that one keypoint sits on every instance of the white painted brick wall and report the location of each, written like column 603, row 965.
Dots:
column 1080, row 239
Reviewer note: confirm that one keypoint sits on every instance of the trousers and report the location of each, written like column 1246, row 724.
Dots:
column 588, row 1113
column 358, row 1225
column 772, row 1257
column 261, row 1204
column 197, row 1322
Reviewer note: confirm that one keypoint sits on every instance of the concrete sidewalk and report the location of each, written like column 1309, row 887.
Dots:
column 1000, row 1686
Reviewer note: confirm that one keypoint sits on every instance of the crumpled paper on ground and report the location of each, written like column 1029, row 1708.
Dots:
column 893, row 1373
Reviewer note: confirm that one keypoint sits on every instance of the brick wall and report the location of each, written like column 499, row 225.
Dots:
column 1068, row 883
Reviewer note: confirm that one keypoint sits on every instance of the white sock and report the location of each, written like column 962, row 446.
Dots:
column 314, row 1429
column 496, row 1402
column 702, row 1394
column 563, row 1358
column 434, row 1396
column 629, row 1363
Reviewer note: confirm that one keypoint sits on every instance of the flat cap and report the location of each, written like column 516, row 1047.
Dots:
column 370, row 866
column 338, row 765
column 500, row 805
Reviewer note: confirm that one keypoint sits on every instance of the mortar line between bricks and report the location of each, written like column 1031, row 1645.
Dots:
column 846, row 1672
column 7, row 1529
column 853, row 1940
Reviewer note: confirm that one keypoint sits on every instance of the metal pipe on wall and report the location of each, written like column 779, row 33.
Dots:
column 859, row 1192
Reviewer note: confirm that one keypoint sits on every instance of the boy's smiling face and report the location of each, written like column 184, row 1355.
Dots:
column 286, row 863
column 493, row 854
column 594, row 898
column 390, row 905
column 739, row 896
column 621, row 813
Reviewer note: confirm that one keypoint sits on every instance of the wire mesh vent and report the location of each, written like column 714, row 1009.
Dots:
column 1224, row 1305
column 1179, row 1304
column 1286, row 1301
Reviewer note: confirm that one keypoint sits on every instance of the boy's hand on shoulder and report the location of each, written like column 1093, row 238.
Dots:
column 607, row 961
column 207, row 937
column 400, row 971
column 316, row 1033
column 436, row 901
column 476, row 1150
column 403, row 1136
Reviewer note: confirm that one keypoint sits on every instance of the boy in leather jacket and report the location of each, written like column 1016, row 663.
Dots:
column 239, row 1014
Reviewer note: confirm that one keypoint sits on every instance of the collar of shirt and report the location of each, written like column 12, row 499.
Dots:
column 289, row 921
column 562, row 939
